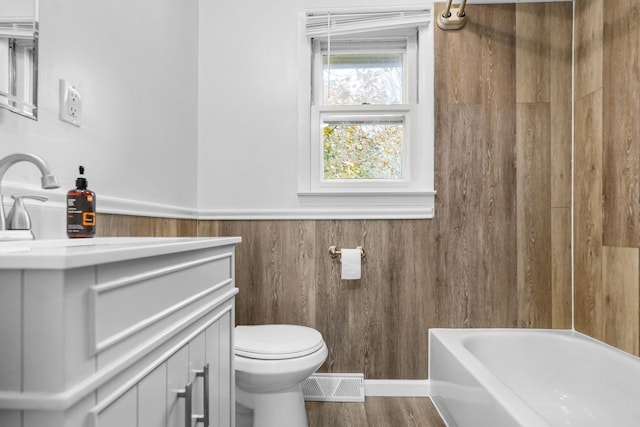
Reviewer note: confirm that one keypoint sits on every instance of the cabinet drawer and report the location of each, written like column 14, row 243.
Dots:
column 134, row 302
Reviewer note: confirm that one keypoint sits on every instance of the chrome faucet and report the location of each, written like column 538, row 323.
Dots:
column 48, row 179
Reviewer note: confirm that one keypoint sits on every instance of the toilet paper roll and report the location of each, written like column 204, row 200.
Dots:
column 351, row 262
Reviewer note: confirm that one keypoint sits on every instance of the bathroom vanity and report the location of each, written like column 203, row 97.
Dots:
column 112, row 332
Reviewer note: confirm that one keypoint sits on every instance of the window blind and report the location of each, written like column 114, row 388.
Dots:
column 17, row 28
column 323, row 24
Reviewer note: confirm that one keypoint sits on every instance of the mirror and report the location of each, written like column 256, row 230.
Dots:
column 19, row 57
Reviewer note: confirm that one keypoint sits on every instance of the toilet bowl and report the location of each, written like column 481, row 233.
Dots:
column 271, row 362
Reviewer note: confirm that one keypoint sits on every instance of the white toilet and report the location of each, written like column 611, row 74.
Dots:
column 271, row 362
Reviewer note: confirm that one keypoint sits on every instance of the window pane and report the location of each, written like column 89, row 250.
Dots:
column 356, row 79
column 357, row 150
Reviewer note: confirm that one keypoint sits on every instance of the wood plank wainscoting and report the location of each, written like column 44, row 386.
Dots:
column 498, row 252
column 607, row 172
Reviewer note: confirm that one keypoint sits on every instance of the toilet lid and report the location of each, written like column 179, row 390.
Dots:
column 276, row 341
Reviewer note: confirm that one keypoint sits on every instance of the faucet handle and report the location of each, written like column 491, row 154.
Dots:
column 18, row 218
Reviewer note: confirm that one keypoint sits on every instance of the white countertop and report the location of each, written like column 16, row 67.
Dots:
column 73, row 253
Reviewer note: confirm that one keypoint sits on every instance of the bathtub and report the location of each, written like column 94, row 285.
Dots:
column 532, row 378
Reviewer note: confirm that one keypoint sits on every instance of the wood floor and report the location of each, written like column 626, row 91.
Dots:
column 375, row 412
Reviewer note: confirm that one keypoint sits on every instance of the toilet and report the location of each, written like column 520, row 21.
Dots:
column 271, row 362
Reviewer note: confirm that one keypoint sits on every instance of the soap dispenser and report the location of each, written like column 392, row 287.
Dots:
column 81, row 209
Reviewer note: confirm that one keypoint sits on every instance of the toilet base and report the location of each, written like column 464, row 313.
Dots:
column 279, row 409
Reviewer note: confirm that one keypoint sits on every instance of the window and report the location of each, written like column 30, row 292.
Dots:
column 366, row 125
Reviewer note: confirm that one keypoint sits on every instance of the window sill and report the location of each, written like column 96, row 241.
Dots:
column 337, row 206
column 369, row 205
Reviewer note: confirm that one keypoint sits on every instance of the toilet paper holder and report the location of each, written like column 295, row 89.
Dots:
column 334, row 252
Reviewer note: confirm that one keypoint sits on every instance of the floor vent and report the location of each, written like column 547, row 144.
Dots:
column 334, row 388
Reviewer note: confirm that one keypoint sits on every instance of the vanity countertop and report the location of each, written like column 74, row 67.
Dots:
column 62, row 254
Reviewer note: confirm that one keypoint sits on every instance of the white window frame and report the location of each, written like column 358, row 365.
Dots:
column 413, row 196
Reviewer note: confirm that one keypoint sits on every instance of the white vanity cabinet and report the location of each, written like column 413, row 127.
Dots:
column 117, row 332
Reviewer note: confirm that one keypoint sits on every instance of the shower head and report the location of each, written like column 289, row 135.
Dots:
column 452, row 18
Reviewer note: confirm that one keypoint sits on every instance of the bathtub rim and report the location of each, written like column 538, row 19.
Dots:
column 453, row 340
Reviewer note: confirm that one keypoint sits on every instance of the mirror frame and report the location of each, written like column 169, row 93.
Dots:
column 22, row 36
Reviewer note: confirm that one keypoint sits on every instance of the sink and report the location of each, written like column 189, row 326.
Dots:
column 72, row 253
column 35, row 245
column 9, row 249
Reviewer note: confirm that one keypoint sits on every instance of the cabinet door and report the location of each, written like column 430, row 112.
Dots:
column 197, row 362
column 158, row 399
column 121, row 413
column 212, row 353
column 226, row 370
column 219, row 356
column 152, row 398
column 177, row 379
column 186, row 368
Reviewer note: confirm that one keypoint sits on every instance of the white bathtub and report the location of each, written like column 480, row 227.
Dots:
column 531, row 378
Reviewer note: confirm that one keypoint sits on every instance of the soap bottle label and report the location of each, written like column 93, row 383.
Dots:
column 81, row 214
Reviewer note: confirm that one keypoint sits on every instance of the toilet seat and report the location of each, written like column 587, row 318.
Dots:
column 275, row 342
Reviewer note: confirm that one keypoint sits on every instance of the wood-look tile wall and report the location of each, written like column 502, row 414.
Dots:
column 138, row 226
column 607, row 172
column 498, row 252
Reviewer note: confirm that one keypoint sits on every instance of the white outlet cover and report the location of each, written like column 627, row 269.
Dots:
column 70, row 103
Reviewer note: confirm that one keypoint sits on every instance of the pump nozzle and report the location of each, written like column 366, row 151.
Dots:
column 81, row 182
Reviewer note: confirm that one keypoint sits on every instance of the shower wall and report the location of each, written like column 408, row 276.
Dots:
column 607, row 171
column 497, row 253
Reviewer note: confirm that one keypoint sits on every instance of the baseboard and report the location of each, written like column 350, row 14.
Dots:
column 396, row 388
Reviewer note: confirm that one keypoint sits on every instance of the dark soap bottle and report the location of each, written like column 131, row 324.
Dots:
column 81, row 209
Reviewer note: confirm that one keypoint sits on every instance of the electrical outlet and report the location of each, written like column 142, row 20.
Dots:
column 70, row 103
